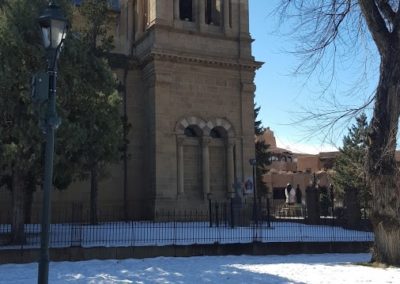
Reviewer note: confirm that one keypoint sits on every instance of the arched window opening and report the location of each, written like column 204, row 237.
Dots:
column 215, row 134
column 146, row 15
column 218, row 133
column 230, row 13
column 213, row 12
column 186, row 10
column 192, row 131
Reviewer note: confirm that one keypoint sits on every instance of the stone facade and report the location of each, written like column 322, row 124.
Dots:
column 197, row 70
column 187, row 77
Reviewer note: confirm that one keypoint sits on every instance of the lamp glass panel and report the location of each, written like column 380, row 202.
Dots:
column 57, row 32
column 46, row 36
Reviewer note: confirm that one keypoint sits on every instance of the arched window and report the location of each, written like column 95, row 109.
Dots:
column 218, row 133
column 186, row 10
column 192, row 131
column 215, row 134
column 273, row 158
column 213, row 12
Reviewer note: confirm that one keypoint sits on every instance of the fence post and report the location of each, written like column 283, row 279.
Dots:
column 225, row 215
column 232, row 215
column 216, row 214
column 76, row 225
column 174, row 242
column 268, row 212
column 209, row 208
column 312, row 201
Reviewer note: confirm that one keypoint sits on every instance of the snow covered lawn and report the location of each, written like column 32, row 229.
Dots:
column 324, row 268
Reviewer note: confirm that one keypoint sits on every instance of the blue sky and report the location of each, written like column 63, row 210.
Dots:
column 282, row 96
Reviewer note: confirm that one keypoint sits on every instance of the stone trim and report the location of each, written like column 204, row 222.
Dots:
column 204, row 33
column 221, row 122
column 191, row 120
column 205, row 127
column 209, row 61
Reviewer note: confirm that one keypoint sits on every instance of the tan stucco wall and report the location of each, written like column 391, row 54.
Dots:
column 308, row 163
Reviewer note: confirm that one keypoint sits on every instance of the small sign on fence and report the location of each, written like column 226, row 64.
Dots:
column 248, row 186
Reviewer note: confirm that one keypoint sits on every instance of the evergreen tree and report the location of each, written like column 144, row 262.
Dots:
column 95, row 125
column 349, row 165
column 324, row 200
column 88, row 105
column 20, row 139
column 262, row 154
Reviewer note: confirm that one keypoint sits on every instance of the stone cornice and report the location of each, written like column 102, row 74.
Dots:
column 202, row 60
column 244, row 37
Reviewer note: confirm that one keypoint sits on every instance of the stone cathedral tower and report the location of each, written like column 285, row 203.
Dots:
column 189, row 98
column 186, row 74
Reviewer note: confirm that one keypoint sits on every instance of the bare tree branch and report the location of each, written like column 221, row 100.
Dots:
column 376, row 24
column 328, row 26
column 386, row 10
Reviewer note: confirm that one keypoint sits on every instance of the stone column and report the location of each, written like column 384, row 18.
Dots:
column 201, row 13
column 139, row 20
column 181, row 180
column 226, row 15
column 229, row 165
column 206, row 165
column 176, row 10
column 195, row 10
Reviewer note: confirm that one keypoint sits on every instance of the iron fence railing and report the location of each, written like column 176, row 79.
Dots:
column 222, row 224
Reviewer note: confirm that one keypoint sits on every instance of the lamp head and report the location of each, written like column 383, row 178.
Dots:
column 54, row 26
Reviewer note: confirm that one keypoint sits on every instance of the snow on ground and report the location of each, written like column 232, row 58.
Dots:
column 297, row 269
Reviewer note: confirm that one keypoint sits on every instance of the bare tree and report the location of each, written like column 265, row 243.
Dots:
column 331, row 28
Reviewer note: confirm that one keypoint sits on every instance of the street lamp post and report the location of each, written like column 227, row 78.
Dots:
column 253, row 163
column 53, row 25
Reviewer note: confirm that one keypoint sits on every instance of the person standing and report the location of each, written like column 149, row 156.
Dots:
column 298, row 194
column 290, row 194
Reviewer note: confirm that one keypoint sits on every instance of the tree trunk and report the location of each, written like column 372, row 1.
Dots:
column 381, row 167
column 29, row 189
column 17, row 223
column 385, row 220
column 28, row 204
column 93, row 194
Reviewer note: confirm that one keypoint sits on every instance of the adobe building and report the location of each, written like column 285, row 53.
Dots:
column 294, row 168
column 187, row 77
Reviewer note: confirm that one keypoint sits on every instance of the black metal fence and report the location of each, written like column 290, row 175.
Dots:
column 221, row 223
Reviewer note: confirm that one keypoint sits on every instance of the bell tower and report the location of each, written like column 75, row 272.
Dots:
column 189, row 98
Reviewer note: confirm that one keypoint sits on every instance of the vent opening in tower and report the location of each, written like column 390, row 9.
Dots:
column 186, row 10
column 213, row 12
